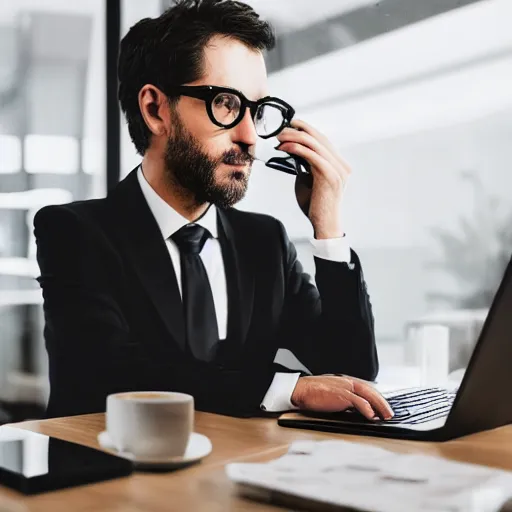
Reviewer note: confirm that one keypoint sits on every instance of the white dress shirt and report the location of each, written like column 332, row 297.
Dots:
column 278, row 396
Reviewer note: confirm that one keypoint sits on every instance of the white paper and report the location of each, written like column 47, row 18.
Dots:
column 373, row 479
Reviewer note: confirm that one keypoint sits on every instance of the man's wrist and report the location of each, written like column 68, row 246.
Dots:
column 278, row 396
column 327, row 228
column 328, row 235
column 297, row 398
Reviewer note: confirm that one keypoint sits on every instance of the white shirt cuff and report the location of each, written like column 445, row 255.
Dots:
column 334, row 249
column 279, row 394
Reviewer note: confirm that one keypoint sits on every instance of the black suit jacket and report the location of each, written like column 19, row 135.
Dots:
column 114, row 319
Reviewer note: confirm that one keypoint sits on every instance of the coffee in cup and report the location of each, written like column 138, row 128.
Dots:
column 150, row 424
column 141, row 395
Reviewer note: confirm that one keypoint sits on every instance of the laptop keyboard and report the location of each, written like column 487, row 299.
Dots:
column 420, row 405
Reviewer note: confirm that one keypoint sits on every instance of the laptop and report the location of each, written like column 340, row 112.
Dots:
column 481, row 402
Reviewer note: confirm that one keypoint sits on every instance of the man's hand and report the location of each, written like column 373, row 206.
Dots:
column 330, row 393
column 322, row 203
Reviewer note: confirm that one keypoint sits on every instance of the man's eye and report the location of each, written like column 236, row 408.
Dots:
column 226, row 101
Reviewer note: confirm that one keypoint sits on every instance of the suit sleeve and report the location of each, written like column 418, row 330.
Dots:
column 92, row 351
column 330, row 326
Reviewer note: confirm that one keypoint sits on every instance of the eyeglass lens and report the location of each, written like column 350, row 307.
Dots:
column 268, row 119
column 226, row 110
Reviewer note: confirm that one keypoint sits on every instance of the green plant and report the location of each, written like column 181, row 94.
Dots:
column 477, row 253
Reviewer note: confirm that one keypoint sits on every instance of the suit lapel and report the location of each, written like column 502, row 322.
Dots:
column 142, row 239
column 144, row 246
column 240, row 280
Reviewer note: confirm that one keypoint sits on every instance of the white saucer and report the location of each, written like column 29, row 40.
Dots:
column 198, row 447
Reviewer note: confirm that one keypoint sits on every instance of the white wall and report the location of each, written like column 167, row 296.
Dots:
column 410, row 81
column 410, row 110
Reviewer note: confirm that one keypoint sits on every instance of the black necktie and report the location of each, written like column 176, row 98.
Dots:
column 200, row 319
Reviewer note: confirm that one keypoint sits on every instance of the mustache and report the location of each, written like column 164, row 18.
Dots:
column 234, row 157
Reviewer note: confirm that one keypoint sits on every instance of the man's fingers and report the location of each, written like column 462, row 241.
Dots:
column 377, row 401
column 362, row 405
column 301, row 137
column 302, row 125
column 320, row 165
column 329, row 393
column 299, row 124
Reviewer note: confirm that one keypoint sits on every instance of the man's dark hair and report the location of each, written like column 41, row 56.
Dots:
column 168, row 50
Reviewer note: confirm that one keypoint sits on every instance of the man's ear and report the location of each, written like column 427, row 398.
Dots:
column 154, row 107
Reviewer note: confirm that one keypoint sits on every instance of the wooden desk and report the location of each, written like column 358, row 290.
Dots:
column 205, row 486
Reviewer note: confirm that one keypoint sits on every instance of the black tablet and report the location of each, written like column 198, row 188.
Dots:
column 32, row 463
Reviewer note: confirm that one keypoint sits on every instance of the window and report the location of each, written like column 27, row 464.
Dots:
column 52, row 150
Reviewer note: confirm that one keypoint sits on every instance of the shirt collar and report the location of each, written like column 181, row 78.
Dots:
column 168, row 219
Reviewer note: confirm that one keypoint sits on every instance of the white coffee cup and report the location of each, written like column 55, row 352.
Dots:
column 150, row 424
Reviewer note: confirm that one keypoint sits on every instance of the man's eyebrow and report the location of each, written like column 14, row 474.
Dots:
column 258, row 96
column 258, row 93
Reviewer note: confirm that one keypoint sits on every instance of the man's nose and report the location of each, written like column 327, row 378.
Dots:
column 245, row 131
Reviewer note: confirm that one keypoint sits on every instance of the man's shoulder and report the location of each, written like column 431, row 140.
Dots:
column 86, row 211
column 244, row 218
column 255, row 226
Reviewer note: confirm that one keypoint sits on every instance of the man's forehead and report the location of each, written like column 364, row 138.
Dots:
column 230, row 63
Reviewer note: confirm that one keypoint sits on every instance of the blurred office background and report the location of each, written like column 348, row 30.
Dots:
column 414, row 94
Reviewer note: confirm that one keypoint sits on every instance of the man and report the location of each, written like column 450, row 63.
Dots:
column 164, row 285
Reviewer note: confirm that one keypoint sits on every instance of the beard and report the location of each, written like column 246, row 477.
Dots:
column 193, row 170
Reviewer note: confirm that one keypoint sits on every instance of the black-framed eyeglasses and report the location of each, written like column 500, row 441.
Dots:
column 226, row 107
